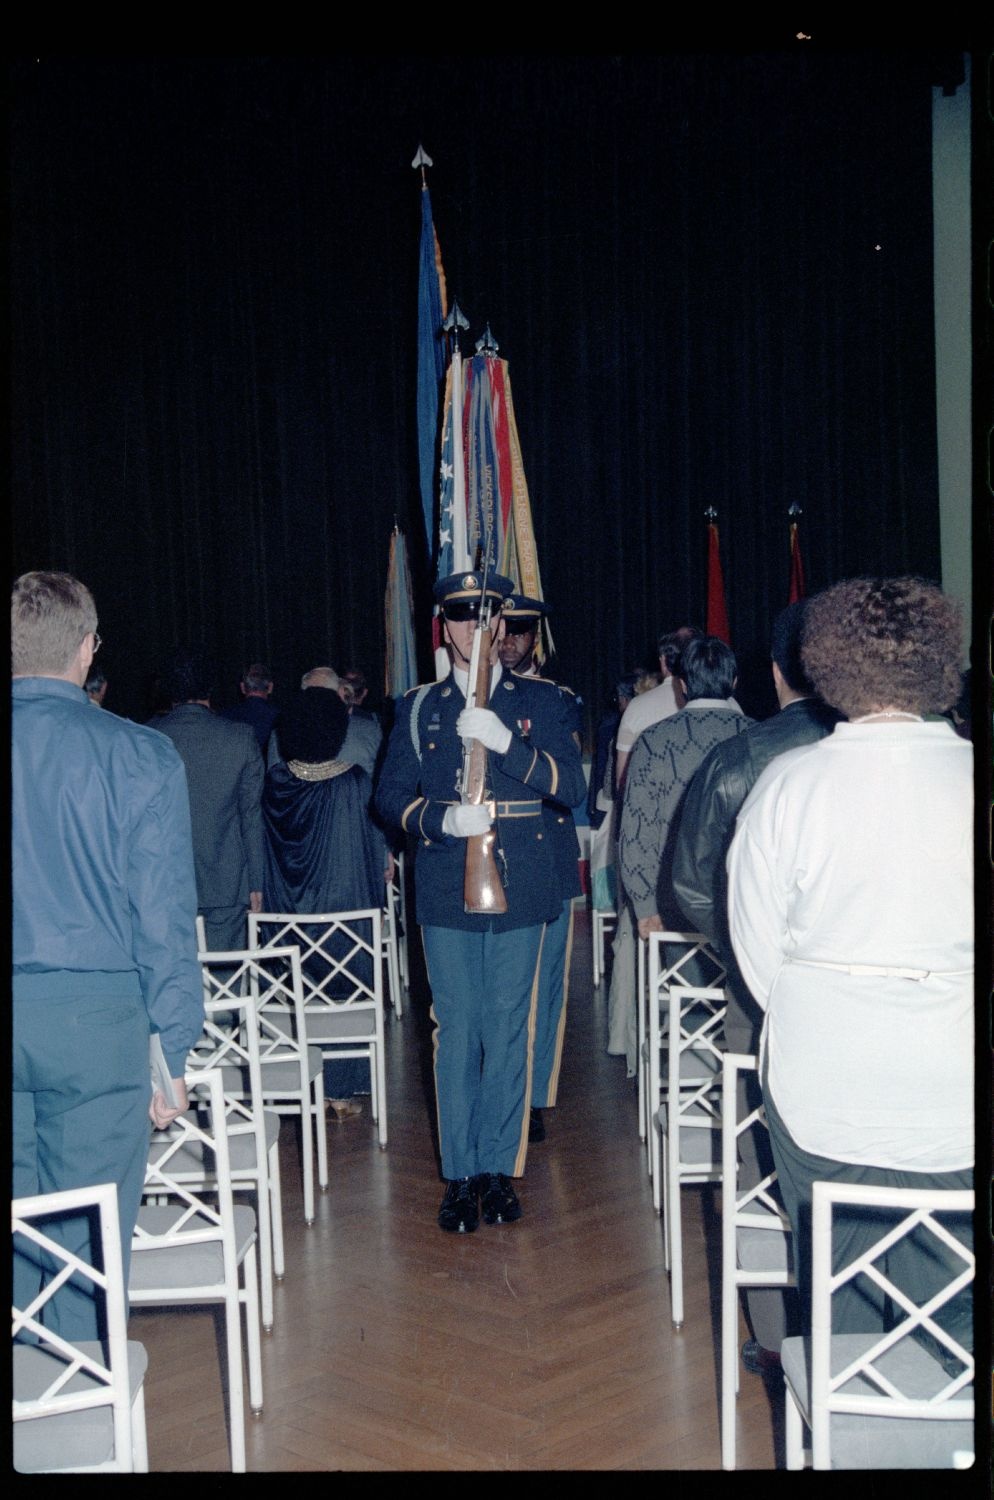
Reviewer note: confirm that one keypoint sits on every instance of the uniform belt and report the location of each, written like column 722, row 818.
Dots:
column 530, row 809
column 880, row 971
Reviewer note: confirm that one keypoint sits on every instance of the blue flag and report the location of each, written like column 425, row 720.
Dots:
column 431, row 358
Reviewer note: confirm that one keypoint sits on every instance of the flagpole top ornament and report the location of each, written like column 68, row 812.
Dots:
column 422, row 160
column 794, row 511
column 488, row 345
column 711, row 515
column 455, row 320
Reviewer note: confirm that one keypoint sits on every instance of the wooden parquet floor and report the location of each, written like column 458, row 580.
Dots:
column 543, row 1345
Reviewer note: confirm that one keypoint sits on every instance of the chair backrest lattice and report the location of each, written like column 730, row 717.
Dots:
column 198, row 1214
column 917, row 1370
column 340, row 954
column 54, row 1377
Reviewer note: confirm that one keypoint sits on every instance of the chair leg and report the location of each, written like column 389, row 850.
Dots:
column 393, row 971
column 139, row 1433
column 236, row 1379
column 793, row 1430
column 381, row 1088
column 322, row 1137
column 276, row 1211
column 253, row 1345
column 729, row 1363
column 674, row 1220
column 264, row 1216
column 655, row 1170
column 309, row 1111
column 663, row 1177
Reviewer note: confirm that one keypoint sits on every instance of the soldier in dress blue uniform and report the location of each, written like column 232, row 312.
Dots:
column 481, row 968
column 522, row 618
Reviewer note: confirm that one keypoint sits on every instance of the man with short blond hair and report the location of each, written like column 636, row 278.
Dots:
column 104, row 947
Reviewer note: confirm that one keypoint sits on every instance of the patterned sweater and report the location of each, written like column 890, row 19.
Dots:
column 662, row 765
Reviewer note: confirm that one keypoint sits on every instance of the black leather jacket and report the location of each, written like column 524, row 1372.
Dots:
column 712, row 804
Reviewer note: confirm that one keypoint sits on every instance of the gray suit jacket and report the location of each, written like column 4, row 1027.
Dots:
column 224, row 772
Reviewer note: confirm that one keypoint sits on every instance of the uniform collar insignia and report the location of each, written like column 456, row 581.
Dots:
column 446, row 692
column 508, row 685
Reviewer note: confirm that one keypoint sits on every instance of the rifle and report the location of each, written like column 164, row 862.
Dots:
column 483, row 892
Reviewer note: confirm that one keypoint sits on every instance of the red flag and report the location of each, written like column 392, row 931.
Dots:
column 717, row 616
column 796, row 590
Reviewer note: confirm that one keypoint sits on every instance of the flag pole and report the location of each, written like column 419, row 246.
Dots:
column 460, row 540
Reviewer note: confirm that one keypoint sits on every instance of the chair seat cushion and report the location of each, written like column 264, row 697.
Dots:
column 174, row 1267
column 700, row 1143
column 187, row 1164
column 80, row 1439
column 765, row 1249
column 884, row 1442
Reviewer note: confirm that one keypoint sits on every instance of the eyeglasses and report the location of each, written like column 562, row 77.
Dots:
column 97, row 641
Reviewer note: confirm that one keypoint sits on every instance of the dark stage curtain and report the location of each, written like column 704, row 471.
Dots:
column 711, row 276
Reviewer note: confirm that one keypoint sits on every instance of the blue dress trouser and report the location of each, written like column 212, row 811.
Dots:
column 550, row 1017
column 81, row 1091
column 484, row 988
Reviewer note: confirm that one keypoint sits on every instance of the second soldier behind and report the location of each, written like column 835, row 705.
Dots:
column 521, row 617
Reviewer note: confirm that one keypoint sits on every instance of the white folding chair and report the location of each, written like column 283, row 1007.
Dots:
column 230, row 1042
column 657, row 972
column 690, row 1118
column 195, row 1247
column 341, row 962
column 756, row 1241
column 76, row 1409
column 882, row 1400
column 601, row 921
column 292, row 1069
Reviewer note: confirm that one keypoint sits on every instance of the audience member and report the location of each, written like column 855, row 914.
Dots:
column 650, row 705
column 601, row 801
column 104, row 948
column 323, row 853
column 706, row 825
column 224, row 773
column 255, row 709
column 851, row 914
column 662, row 765
column 95, row 686
column 364, row 739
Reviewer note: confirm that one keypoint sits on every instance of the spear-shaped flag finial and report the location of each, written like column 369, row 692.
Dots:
column 710, row 515
column 488, row 345
column 455, row 320
column 422, row 160
column 794, row 511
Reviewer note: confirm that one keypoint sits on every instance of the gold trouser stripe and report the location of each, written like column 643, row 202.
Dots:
column 519, row 1161
column 434, row 1044
column 561, row 1028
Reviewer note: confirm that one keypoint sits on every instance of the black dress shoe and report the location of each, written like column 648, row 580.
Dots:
column 536, row 1130
column 760, row 1361
column 498, row 1199
column 460, row 1210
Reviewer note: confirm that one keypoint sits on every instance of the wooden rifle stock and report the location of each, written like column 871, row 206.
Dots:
column 483, row 892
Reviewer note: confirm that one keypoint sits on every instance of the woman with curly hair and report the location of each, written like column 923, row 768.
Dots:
column 851, row 915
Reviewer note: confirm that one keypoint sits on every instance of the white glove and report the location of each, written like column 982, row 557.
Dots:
column 483, row 724
column 465, row 819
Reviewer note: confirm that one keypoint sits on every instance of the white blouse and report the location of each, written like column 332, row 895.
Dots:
column 856, row 853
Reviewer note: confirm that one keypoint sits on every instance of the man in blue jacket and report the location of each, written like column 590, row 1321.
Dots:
column 482, row 968
column 103, row 933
